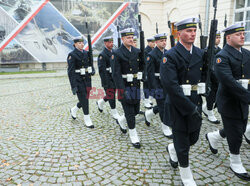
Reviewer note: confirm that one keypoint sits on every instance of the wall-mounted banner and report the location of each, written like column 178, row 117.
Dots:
column 42, row 30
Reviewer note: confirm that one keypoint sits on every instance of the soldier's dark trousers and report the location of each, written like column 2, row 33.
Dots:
column 212, row 96
column 130, row 110
column 83, row 103
column 233, row 131
column 182, row 142
column 110, row 97
column 146, row 90
column 160, row 105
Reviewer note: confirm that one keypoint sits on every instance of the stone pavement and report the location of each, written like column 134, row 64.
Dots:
column 41, row 145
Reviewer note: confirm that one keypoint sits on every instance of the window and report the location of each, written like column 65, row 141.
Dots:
column 242, row 14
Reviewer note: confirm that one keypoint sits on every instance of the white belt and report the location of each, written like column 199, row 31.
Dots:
column 109, row 69
column 157, row 74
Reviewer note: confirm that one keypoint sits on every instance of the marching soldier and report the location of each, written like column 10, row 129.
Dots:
column 127, row 76
column 232, row 69
column 153, row 62
column 181, row 75
column 79, row 72
column 149, row 48
column 105, row 73
column 207, row 108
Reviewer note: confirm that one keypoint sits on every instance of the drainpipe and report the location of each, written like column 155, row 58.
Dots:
column 207, row 17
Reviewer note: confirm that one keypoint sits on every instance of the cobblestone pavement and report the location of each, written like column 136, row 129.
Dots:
column 41, row 145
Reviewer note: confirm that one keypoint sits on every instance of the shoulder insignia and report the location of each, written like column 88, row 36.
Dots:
column 164, row 60
column 148, row 58
column 69, row 57
column 112, row 57
column 218, row 60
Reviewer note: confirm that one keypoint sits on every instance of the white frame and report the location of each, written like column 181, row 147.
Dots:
column 244, row 10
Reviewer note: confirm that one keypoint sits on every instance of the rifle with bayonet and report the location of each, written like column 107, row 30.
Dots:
column 225, row 25
column 90, row 51
column 210, row 55
column 119, row 38
column 203, row 39
column 156, row 28
column 142, row 48
column 172, row 41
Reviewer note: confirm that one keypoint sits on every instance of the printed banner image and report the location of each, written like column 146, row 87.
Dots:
column 19, row 9
column 48, row 36
column 43, row 30
column 14, row 53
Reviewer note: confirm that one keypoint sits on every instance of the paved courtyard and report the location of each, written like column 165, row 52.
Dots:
column 41, row 145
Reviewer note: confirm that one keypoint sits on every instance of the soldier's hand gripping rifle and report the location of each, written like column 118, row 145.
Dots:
column 225, row 25
column 119, row 38
column 203, row 39
column 209, row 54
column 142, row 48
column 90, row 52
column 172, row 41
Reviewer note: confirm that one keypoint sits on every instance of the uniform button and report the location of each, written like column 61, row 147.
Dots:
column 198, row 103
column 187, row 81
column 199, row 80
column 130, row 69
column 201, row 69
column 132, row 84
column 243, row 76
column 188, row 69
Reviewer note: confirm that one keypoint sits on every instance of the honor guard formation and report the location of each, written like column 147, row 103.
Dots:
column 184, row 81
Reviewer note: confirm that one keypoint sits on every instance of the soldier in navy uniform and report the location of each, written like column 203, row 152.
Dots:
column 207, row 108
column 147, row 102
column 232, row 69
column 153, row 61
column 105, row 72
column 127, row 75
column 181, row 75
column 79, row 72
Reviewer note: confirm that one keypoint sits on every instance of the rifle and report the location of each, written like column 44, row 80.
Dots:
column 225, row 25
column 156, row 28
column 119, row 38
column 142, row 45
column 203, row 39
column 209, row 60
column 90, row 52
column 172, row 41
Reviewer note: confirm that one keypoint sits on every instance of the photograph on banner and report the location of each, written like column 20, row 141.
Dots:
column 19, row 9
column 127, row 19
column 81, row 11
column 48, row 36
column 14, row 53
column 7, row 24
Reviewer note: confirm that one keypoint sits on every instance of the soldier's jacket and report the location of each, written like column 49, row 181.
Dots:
column 104, row 68
column 153, row 62
column 179, row 67
column 77, row 60
column 232, row 65
column 125, row 62
column 147, row 50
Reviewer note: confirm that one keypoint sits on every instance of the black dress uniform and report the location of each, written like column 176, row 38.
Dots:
column 210, row 99
column 105, row 72
column 181, row 68
column 80, row 84
column 126, row 64
column 145, row 83
column 153, row 62
column 232, row 100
